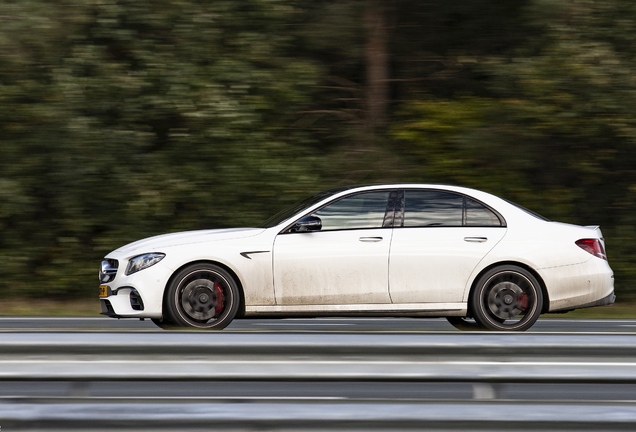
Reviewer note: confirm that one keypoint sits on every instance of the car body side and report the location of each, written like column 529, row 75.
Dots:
column 570, row 276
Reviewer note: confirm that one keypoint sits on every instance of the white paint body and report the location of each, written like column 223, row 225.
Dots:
column 427, row 271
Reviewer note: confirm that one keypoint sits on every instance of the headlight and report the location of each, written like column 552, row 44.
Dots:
column 141, row 262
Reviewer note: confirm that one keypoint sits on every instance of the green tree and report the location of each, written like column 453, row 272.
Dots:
column 554, row 128
column 126, row 118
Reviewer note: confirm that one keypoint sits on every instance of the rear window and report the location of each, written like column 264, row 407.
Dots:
column 530, row 212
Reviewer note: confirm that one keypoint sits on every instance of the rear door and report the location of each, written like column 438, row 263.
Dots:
column 438, row 240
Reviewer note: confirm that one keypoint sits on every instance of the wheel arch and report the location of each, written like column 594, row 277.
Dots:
column 544, row 289
column 239, row 284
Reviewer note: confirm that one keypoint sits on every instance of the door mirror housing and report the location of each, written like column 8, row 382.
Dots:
column 307, row 224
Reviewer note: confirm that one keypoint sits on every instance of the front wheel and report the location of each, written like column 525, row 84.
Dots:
column 507, row 298
column 204, row 296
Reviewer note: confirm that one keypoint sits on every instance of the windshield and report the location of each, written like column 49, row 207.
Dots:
column 300, row 206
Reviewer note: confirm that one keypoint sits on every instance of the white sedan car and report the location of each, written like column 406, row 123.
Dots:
column 382, row 250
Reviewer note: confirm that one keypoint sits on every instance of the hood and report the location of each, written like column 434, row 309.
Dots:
column 155, row 244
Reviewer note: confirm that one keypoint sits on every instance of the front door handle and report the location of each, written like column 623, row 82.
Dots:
column 370, row 239
column 476, row 239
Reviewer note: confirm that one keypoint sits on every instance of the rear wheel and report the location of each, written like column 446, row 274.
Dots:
column 507, row 298
column 204, row 296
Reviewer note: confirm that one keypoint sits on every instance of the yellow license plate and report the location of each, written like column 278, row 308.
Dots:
column 103, row 291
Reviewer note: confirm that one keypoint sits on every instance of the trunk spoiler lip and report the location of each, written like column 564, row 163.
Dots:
column 597, row 230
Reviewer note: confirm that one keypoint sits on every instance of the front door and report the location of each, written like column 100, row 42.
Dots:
column 346, row 262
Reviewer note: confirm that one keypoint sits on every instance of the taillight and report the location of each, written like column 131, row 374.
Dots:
column 593, row 246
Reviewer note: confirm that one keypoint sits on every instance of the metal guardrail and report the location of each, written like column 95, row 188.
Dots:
column 317, row 417
column 481, row 359
column 276, row 357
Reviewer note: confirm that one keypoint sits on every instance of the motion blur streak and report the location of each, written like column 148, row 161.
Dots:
column 122, row 119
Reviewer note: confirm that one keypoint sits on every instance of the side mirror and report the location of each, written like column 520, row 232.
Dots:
column 307, row 224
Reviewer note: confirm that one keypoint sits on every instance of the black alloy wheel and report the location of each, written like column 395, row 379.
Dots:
column 507, row 298
column 203, row 296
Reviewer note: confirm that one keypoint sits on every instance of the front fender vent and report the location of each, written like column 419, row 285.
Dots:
column 135, row 301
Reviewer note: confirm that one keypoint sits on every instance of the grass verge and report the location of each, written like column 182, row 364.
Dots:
column 29, row 307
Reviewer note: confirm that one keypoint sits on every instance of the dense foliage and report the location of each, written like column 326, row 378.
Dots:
column 120, row 119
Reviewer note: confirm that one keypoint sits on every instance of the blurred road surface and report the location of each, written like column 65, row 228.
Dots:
column 321, row 325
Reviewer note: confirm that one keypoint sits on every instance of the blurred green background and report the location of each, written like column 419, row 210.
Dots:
column 121, row 119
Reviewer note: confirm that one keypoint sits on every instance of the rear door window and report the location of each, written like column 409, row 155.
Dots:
column 479, row 215
column 431, row 208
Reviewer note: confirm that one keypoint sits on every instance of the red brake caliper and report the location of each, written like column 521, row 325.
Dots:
column 219, row 298
column 522, row 302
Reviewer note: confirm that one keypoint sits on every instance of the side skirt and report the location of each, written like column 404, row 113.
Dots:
column 388, row 310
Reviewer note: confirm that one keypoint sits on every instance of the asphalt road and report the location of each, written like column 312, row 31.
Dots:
column 320, row 325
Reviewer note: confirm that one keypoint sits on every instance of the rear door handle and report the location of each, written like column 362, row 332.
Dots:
column 476, row 239
column 370, row 239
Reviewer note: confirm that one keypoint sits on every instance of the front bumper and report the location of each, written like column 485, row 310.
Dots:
column 139, row 295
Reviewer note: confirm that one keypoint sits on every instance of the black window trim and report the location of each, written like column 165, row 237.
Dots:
column 399, row 214
column 389, row 213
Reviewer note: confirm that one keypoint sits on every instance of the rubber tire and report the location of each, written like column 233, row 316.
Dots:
column 481, row 311
column 179, row 318
column 462, row 323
